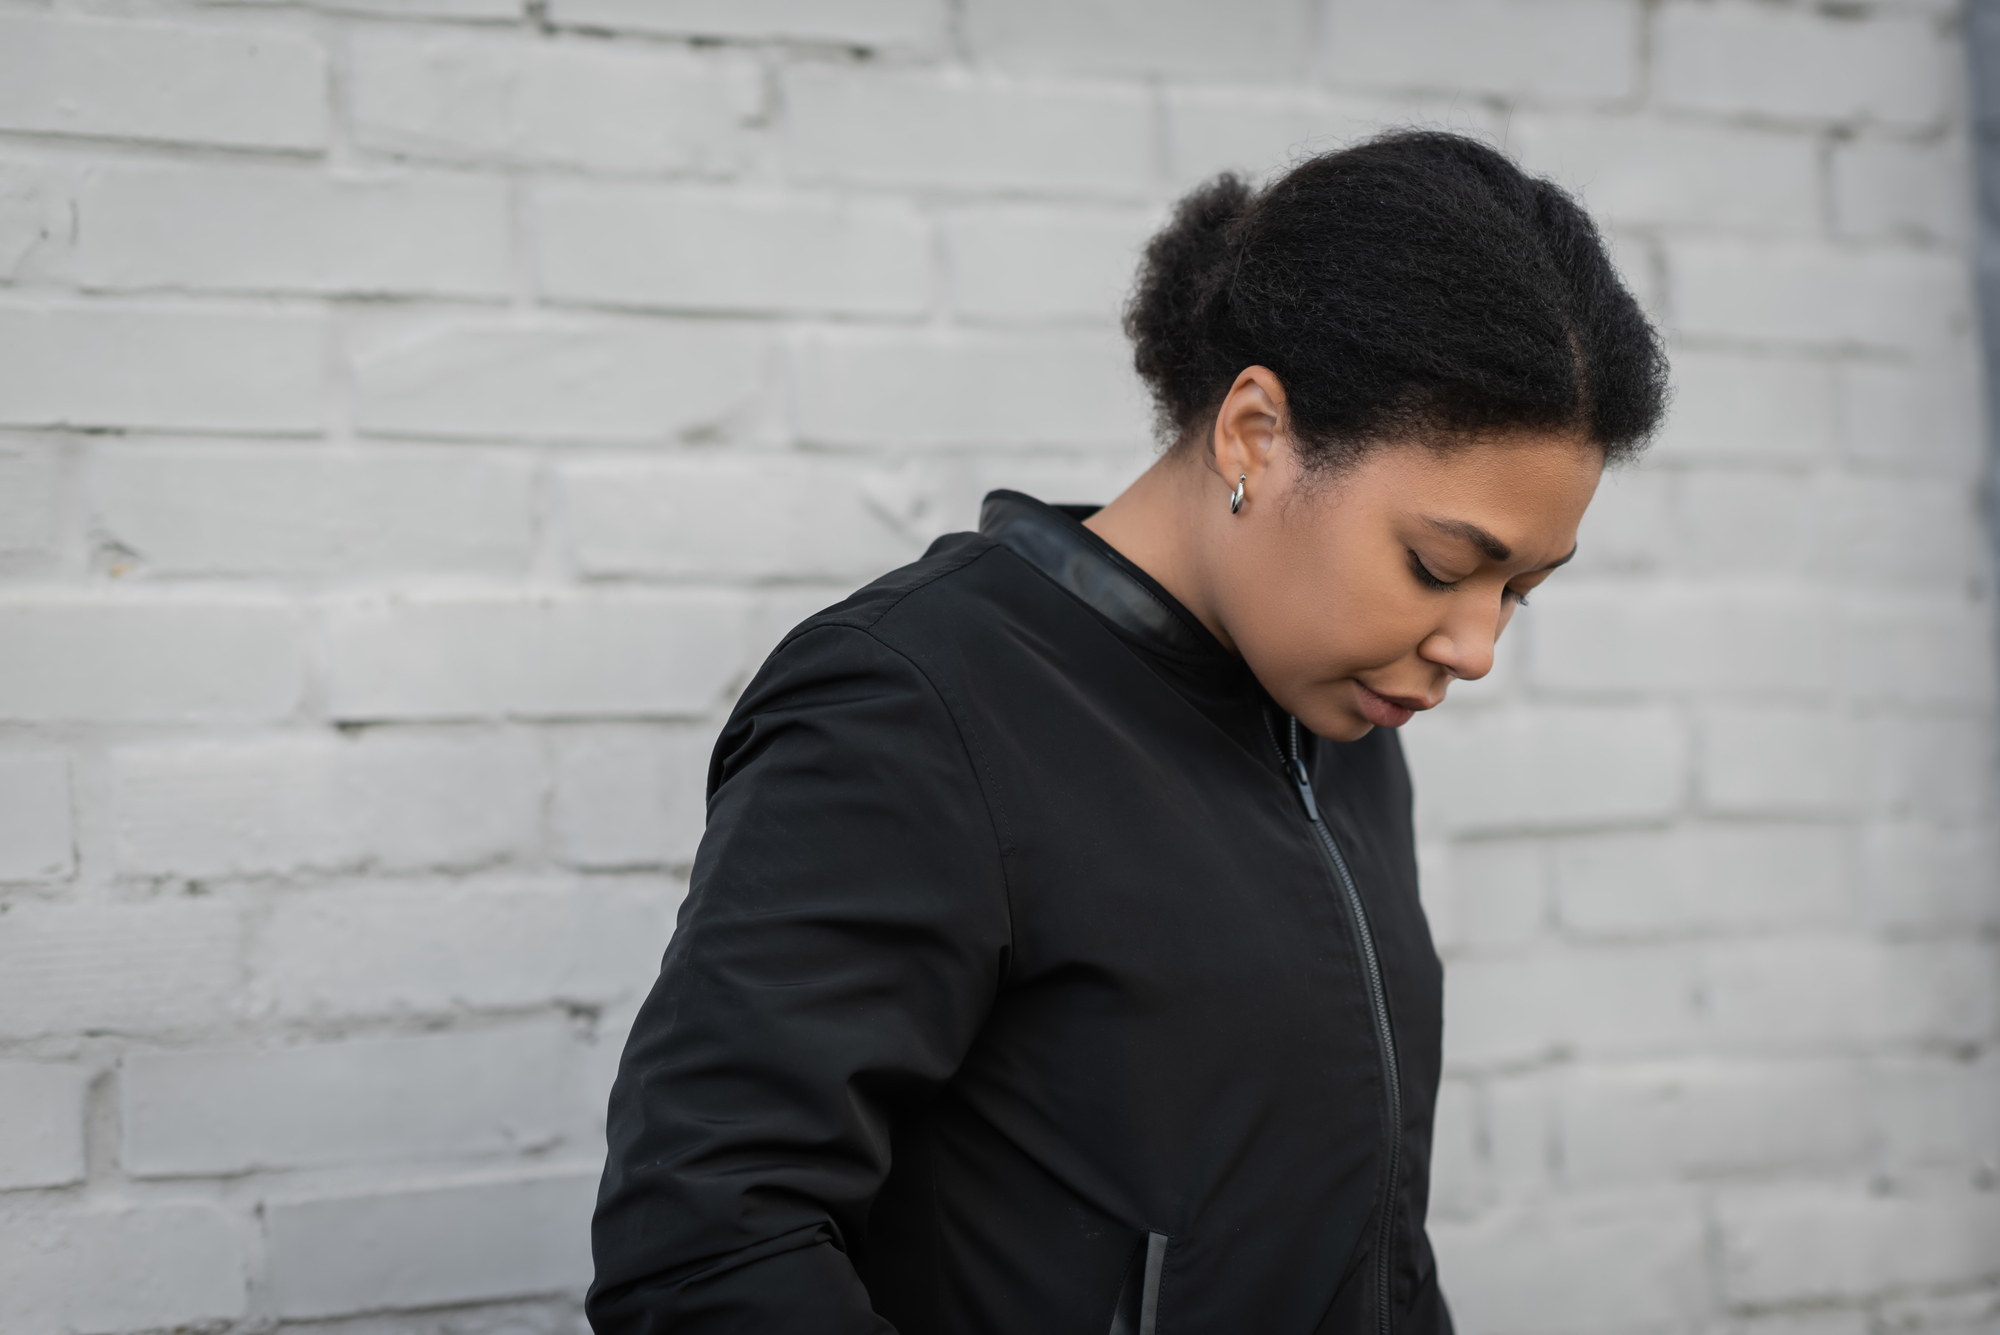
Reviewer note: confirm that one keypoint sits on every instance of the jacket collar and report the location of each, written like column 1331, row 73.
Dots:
column 1054, row 541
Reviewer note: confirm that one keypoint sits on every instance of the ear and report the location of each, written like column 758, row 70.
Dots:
column 1249, row 427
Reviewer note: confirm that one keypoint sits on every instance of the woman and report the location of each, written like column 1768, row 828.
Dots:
column 1053, row 960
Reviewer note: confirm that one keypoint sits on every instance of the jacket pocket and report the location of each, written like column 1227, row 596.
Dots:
column 1138, row 1307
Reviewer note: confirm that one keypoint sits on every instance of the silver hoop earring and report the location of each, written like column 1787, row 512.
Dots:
column 1236, row 497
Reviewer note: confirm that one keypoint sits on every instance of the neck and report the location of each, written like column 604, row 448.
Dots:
column 1161, row 523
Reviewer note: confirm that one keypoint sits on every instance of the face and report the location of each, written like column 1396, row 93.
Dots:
column 1357, row 600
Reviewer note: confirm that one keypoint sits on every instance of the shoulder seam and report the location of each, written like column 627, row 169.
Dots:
column 867, row 624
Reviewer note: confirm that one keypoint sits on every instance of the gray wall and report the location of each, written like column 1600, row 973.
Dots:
column 418, row 416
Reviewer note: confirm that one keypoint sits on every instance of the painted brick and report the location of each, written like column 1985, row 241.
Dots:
column 1496, row 894
column 942, row 493
column 1458, row 1170
column 271, row 509
column 1613, row 1262
column 37, row 221
column 1816, row 1243
column 1726, row 523
column 1918, row 874
column 893, row 23
column 1853, row 1322
column 958, row 390
column 729, row 515
column 629, row 797
column 31, row 499
column 1887, row 531
column 36, row 843
column 1016, row 263
column 130, row 661
column 430, row 949
column 1730, row 408
column 1559, row 50
column 454, row 1242
column 1941, row 994
column 507, row 1091
column 607, row 380
column 281, row 804
column 1641, row 999
column 627, row 244
column 1437, row 893
column 1893, row 189
column 1747, row 59
column 1632, row 527
column 291, row 229
column 1890, row 299
column 1646, row 172
column 118, row 366
column 237, row 87
column 1640, row 1125
column 1547, row 767
column 1823, row 991
column 499, row 98
column 965, row 131
column 443, row 9
column 1644, row 999
column 1903, row 416
column 1931, row 1112
column 1914, row 649
column 1611, row 639
column 577, row 655
column 124, row 968
column 1728, row 939
column 1939, row 766
column 41, row 1105
column 1264, row 39
column 1779, row 761
column 178, row 1263
column 1704, row 877
column 1966, row 1313
column 1985, row 1107
column 1523, row 1143
column 1260, row 129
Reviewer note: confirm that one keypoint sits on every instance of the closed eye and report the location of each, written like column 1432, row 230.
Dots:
column 1425, row 577
column 1430, row 581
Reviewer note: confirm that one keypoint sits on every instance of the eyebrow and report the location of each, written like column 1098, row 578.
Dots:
column 1489, row 546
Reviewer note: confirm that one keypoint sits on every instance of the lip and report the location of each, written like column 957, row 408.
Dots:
column 1386, row 711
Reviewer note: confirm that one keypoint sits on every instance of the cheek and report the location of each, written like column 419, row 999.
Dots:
column 1327, row 614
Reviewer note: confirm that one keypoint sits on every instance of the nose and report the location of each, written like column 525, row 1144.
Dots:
column 1466, row 652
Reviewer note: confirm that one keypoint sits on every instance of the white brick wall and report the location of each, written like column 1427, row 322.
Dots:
column 417, row 418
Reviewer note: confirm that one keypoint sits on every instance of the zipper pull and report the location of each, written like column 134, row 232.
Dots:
column 1299, row 778
column 1305, row 792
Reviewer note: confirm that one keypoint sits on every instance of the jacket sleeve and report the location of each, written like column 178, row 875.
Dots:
column 842, row 941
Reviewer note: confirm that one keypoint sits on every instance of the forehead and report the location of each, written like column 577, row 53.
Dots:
column 1529, row 492
column 1512, row 470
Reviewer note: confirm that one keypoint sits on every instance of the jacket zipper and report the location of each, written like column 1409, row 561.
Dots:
column 1378, row 1002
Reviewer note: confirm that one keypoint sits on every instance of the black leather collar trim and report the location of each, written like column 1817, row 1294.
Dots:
column 1054, row 541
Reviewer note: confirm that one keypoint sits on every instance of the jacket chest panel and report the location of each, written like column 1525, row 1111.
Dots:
column 1184, row 1020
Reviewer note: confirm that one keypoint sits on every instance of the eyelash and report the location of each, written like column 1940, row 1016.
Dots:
column 1426, row 578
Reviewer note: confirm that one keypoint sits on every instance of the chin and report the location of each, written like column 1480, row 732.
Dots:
column 1342, row 727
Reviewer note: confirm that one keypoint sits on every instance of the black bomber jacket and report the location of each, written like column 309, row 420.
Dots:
column 1038, row 976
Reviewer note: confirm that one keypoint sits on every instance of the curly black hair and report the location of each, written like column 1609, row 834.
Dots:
column 1416, row 286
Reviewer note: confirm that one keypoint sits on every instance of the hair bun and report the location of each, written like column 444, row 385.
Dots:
column 1182, row 278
